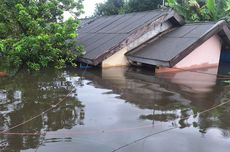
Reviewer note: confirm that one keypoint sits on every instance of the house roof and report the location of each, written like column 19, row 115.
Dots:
column 104, row 36
column 170, row 48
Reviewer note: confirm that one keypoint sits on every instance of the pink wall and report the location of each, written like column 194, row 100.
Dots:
column 208, row 54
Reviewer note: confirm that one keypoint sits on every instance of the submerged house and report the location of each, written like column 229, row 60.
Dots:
column 107, row 39
column 159, row 38
column 191, row 46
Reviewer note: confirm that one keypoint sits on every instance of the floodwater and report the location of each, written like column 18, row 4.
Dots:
column 116, row 109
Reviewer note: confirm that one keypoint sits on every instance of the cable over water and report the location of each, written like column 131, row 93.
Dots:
column 167, row 130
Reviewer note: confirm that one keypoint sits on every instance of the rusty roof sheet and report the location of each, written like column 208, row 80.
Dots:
column 100, row 35
column 173, row 44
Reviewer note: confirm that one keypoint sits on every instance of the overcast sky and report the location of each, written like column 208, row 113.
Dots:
column 89, row 7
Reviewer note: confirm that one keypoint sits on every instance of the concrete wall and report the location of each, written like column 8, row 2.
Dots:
column 119, row 58
column 205, row 56
column 208, row 54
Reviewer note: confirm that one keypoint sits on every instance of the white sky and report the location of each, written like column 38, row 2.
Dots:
column 89, row 7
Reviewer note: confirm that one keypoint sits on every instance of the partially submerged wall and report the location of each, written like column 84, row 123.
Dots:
column 119, row 58
column 206, row 55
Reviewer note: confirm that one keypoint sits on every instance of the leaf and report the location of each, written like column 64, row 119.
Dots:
column 1, row 47
column 211, row 5
column 172, row 3
column 194, row 3
column 227, row 5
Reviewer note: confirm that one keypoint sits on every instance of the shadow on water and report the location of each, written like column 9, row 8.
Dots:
column 164, row 98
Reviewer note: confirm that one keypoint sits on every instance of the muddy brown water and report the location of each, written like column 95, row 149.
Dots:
column 114, row 107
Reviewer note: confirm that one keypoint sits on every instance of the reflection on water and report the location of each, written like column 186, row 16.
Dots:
column 112, row 107
column 28, row 95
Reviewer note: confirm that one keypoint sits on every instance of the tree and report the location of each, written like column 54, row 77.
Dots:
column 201, row 10
column 113, row 7
column 110, row 7
column 34, row 35
column 143, row 5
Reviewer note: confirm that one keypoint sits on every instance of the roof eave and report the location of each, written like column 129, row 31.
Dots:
column 86, row 61
column 148, row 61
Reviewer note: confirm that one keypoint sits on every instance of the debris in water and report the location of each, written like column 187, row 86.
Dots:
column 3, row 74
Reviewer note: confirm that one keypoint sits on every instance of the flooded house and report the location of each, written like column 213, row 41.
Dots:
column 107, row 39
column 158, row 38
column 192, row 46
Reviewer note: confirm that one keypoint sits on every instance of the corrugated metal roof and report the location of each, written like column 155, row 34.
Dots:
column 101, row 34
column 173, row 44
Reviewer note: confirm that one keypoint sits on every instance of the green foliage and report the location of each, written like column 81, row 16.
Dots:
column 211, row 7
column 34, row 35
column 113, row 7
column 201, row 10
column 227, row 6
column 143, row 5
column 110, row 7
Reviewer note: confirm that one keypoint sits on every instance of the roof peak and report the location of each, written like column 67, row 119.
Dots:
column 155, row 10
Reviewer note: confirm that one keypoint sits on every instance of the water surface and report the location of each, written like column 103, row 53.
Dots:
column 110, row 108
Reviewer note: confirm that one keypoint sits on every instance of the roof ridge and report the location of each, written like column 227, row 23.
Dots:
column 154, row 10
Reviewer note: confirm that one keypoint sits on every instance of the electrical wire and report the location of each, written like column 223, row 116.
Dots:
column 44, row 134
column 6, row 132
column 37, row 116
column 200, row 72
column 88, row 132
column 167, row 130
